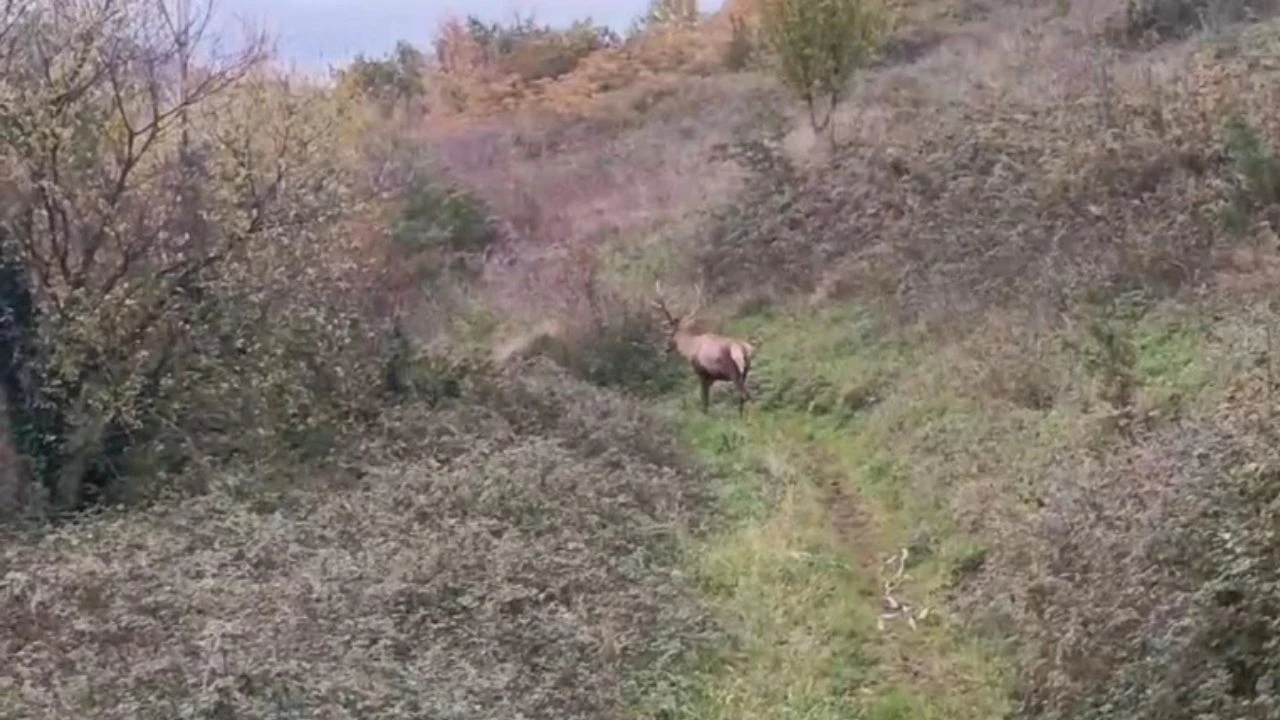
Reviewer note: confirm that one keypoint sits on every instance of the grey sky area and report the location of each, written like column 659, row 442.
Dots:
column 317, row 33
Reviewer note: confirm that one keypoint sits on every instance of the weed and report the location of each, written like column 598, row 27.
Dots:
column 1109, row 354
column 1256, row 174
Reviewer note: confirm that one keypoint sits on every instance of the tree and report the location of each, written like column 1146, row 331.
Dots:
column 156, row 200
column 817, row 45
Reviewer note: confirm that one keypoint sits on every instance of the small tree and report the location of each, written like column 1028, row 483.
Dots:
column 818, row 44
column 397, row 79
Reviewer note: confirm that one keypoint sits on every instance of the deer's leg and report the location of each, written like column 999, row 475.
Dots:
column 706, row 392
column 743, row 395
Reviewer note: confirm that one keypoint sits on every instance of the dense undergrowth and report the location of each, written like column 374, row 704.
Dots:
column 529, row 566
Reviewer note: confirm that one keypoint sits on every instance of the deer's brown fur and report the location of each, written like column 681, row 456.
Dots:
column 713, row 357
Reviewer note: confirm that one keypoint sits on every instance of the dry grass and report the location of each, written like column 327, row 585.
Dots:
column 564, row 188
column 1010, row 164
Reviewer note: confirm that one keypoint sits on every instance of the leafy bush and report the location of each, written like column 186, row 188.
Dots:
column 619, row 346
column 1255, row 175
column 441, row 227
column 1107, row 350
column 758, row 239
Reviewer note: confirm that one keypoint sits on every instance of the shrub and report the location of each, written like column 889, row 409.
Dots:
column 1152, row 21
column 397, row 79
column 618, row 345
column 1255, row 174
column 1156, row 591
column 624, row 350
column 521, row 48
column 740, row 49
column 668, row 13
column 441, row 227
column 543, row 59
column 1107, row 349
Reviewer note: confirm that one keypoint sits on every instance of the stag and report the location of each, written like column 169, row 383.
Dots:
column 712, row 357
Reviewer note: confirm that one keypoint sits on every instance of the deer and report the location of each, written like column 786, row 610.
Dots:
column 712, row 357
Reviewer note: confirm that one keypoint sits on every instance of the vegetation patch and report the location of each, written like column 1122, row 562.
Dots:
column 529, row 571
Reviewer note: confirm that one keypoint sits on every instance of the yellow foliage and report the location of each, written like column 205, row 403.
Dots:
column 535, row 79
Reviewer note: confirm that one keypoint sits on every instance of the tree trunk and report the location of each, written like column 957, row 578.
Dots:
column 36, row 423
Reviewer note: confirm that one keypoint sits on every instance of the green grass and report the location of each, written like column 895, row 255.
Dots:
column 864, row 441
column 1171, row 362
column 814, row 509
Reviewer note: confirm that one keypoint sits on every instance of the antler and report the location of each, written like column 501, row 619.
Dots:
column 697, row 288
column 660, row 304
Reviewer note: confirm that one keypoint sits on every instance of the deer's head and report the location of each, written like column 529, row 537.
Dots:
column 676, row 325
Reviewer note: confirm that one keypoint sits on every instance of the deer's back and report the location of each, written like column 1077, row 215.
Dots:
column 714, row 356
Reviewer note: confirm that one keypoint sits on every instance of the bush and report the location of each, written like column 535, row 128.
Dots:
column 521, row 48
column 1107, row 351
column 441, row 227
column 543, row 59
column 1157, row 596
column 624, row 350
column 739, row 51
column 1153, row 21
column 1255, row 176
column 621, row 347
column 397, row 79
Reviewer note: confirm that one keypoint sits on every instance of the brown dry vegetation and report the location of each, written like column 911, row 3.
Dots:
column 367, row 379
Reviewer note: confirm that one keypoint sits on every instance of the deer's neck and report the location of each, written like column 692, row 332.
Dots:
column 686, row 343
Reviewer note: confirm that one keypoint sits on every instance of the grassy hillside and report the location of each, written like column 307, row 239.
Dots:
column 886, row 476
column 1011, row 452
column 829, row 617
